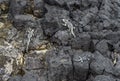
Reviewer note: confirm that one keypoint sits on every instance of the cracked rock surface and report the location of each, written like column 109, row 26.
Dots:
column 59, row 40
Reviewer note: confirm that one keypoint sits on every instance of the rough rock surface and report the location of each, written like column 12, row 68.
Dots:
column 59, row 40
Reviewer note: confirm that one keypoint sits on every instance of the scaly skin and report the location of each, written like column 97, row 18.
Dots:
column 69, row 25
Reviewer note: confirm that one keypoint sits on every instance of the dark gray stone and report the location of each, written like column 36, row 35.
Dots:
column 113, row 36
column 117, row 69
column 21, row 22
column 40, row 74
column 16, row 7
column 117, row 47
column 15, row 78
column 81, row 63
column 53, row 20
column 101, row 64
column 87, row 28
column 99, row 35
column 88, row 17
column 39, row 8
column 104, row 47
column 104, row 78
column 56, row 14
column 30, row 77
column 59, row 66
column 62, row 2
column 81, row 42
column 32, row 62
column 1, row 1
column 77, row 15
column 61, row 37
